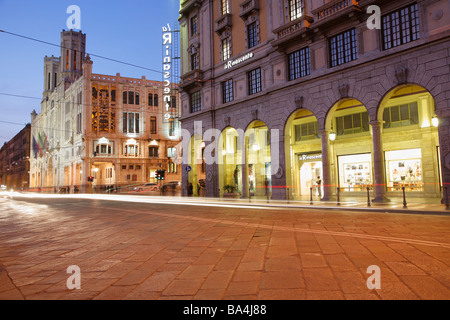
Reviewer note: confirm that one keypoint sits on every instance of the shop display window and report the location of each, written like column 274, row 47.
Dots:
column 404, row 169
column 355, row 172
column 310, row 173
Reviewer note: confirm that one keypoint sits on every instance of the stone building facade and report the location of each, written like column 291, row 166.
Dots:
column 307, row 99
column 108, row 127
column 14, row 161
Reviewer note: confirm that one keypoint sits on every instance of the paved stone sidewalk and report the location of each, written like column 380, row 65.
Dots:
column 8, row 291
column 129, row 250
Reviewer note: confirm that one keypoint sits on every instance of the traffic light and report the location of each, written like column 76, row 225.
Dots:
column 90, row 179
column 160, row 174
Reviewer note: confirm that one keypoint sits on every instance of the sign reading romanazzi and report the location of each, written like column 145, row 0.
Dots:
column 232, row 63
column 306, row 157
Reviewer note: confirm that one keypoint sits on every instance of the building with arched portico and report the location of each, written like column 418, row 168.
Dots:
column 309, row 99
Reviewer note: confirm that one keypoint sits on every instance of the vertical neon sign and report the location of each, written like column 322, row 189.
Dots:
column 167, row 69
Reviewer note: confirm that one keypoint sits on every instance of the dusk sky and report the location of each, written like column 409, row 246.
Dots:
column 129, row 31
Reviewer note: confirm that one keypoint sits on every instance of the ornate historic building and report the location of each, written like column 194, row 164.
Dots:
column 317, row 96
column 108, row 127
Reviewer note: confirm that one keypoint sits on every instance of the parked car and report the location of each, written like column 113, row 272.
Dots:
column 2, row 187
column 147, row 187
column 171, row 185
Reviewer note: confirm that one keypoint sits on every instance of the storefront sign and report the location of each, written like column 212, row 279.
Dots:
column 307, row 157
column 232, row 63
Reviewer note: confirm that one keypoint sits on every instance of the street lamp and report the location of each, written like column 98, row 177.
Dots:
column 435, row 121
column 332, row 136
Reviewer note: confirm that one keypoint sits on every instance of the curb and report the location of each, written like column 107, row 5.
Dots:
column 345, row 208
column 262, row 203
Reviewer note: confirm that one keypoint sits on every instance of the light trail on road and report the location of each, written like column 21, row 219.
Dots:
column 198, row 202
column 131, row 198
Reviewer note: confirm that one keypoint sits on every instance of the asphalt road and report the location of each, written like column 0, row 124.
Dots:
column 172, row 250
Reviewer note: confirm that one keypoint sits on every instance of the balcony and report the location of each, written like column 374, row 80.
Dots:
column 153, row 137
column 335, row 10
column 299, row 28
column 248, row 7
column 190, row 79
column 189, row 5
column 366, row 3
column 222, row 23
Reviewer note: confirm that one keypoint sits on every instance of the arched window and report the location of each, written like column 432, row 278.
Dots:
column 125, row 97
column 130, row 97
column 150, row 99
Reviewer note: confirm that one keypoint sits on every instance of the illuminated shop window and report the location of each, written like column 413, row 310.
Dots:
column 355, row 172
column 404, row 169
